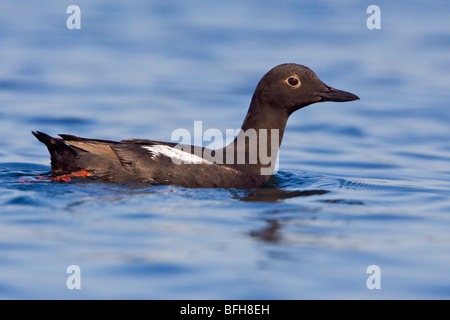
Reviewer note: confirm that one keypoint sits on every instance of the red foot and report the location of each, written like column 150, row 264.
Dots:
column 67, row 177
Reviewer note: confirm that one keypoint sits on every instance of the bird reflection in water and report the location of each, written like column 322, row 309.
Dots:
column 271, row 232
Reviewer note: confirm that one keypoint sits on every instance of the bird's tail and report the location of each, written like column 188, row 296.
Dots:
column 63, row 157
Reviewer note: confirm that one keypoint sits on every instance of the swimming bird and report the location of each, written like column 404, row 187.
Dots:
column 283, row 90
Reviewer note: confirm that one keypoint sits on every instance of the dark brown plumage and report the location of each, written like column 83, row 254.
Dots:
column 283, row 90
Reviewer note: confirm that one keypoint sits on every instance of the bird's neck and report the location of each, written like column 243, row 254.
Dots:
column 255, row 149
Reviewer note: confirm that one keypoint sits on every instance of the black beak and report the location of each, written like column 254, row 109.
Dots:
column 332, row 94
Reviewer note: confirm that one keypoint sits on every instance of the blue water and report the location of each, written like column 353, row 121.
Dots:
column 359, row 184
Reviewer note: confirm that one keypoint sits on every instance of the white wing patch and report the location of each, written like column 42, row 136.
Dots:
column 178, row 156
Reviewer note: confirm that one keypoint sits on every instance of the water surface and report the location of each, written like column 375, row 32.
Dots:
column 361, row 183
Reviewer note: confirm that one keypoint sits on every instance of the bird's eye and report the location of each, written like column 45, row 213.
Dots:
column 293, row 81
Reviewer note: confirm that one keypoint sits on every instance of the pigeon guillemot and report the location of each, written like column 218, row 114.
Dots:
column 283, row 90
